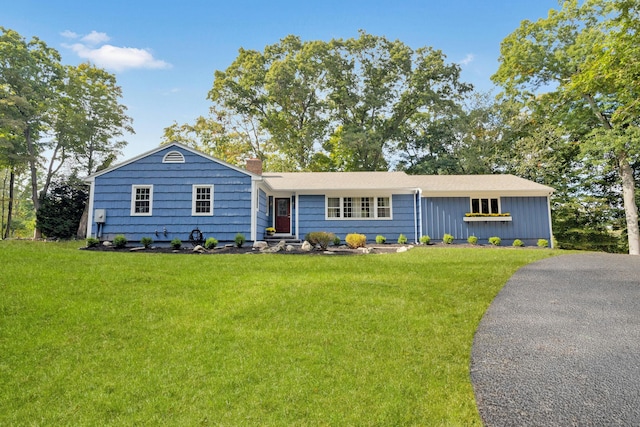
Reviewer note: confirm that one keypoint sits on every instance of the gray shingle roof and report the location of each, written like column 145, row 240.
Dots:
column 429, row 184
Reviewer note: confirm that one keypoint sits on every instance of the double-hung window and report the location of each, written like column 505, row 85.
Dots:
column 358, row 207
column 485, row 206
column 141, row 200
column 202, row 200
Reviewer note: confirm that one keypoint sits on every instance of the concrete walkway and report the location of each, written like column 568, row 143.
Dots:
column 560, row 345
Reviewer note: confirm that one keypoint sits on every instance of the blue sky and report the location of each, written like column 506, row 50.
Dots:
column 164, row 53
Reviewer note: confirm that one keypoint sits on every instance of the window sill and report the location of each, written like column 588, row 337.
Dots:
column 487, row 219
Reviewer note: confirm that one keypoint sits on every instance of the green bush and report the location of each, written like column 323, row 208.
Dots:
column 240, row 240
column 381, row 240
column 321, row 238
column 543, row 243
column 518, row 243
column 120, row 241
column 92, row 242
column 176, row 243
column 472, row 240
column 495, row 240
column 356, row 240
column 210, row 243
column 146, row 241
column 402, row 239
column 336, row 241
column 448, row 239
column 425, row 240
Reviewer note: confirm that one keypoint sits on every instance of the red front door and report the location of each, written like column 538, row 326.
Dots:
column 283, row 216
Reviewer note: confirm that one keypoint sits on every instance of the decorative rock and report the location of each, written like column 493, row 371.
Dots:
column 136, row 249
column 289, row 248
column 272, row 249
column 306, row 246
column 365, row 250
column 199, row 249
column 107, row 243
column 259, row 244
column 402, row 249
column 329, row 253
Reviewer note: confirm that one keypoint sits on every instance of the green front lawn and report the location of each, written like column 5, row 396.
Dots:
column 93, row 338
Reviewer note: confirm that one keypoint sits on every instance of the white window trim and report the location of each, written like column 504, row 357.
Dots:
column 134, row 188
column 374, row 208
column 193, row 200
column 471, row 199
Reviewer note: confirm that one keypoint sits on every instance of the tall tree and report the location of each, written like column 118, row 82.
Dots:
column 281, row 88
column 338, row 105
column 91, row 120
column 30, row 81
column 577, row 62
column 376, row 87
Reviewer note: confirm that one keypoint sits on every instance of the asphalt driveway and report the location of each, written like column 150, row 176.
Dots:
column 560, row 345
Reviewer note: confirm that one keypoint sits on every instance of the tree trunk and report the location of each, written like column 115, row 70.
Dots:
column 630, row 208
column 84, row 220
column 33, row 161
column 12, row 178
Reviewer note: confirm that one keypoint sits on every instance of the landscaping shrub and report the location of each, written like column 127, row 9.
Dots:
column 321, row 238
column 176, row 243
column 543, row 243
column 336, row 241
column 210, row 243
column 472, row 240
column 425, row 240
column 120, row 241
column 448, row 239
column 381, row 240
column 518, row 243
column 240, row 240
column 495, row 240
column 356, row 240
column 92, row 242
column 146, row 242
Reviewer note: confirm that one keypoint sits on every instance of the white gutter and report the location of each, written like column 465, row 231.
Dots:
column 254, row 214
column 90, row 213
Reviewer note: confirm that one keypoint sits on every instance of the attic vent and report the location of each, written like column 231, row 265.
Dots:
column 173, row 157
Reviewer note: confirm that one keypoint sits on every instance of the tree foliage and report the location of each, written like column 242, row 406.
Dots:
column 572, row 68
column 61, row 208
column 337, row 105
column 71, row 113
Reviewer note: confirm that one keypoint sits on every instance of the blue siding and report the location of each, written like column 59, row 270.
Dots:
column 264, row 218
column 312, row 218
column 530, row 220
column 172, row 199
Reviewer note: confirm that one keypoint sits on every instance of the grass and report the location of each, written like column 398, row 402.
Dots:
column 93, row 338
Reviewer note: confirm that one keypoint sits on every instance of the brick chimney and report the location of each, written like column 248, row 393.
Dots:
column 254, row 166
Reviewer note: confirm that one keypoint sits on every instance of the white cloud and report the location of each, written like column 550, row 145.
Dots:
column 67, row 34
column 96, row 38
column 468, row 59
column 93, row 49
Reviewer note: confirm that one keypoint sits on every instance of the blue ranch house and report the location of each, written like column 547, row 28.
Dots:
column 173, row 190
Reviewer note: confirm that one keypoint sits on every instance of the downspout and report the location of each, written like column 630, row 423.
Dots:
column 297, row 208
column 550, row 222
column 419, row 214
column 254, row 213
column 415, row 217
